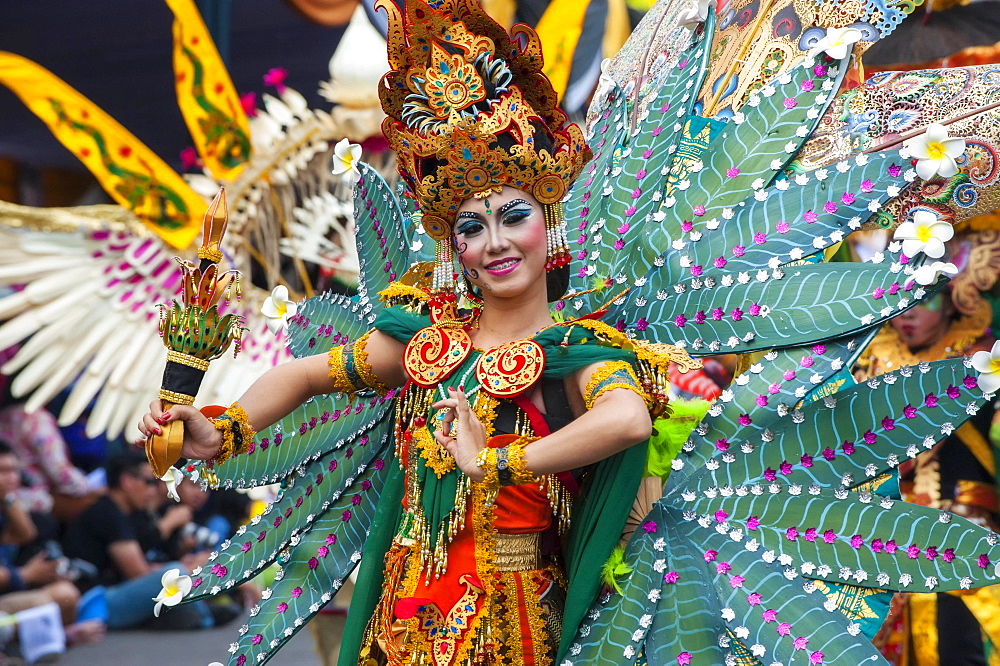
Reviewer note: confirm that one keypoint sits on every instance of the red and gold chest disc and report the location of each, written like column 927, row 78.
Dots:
column 510, row 368
column 434, row 353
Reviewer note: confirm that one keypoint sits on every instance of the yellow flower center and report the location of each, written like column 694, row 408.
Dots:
column 281, row 308
column 924, row 233
column 171, row 590
column 995, row 365
column 935, row 150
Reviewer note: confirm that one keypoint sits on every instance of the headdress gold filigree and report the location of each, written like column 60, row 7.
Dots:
column 470, row 110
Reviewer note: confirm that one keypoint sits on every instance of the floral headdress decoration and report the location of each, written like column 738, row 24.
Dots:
column 469, row 111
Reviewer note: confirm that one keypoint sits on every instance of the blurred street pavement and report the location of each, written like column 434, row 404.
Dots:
column 179, row 648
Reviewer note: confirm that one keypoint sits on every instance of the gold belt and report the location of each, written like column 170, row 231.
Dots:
column 518, row 552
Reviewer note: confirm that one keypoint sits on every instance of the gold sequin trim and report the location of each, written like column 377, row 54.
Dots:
column 397, row 292
column 364, row 368
column 435, row 456
column 486, row 460
column 653, row 353
column 176, row 398
column 489, row 458
column 610, row 376
column 338, row 372
column 187, row 359
column 237, row 433
column 520, row 474
column 215, row 256
column 518, row 552
column 521, row 602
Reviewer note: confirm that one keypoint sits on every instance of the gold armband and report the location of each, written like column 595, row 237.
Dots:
column 237, row 433
column 505, row 466
column 350, row 370
column 364, row 368
column 609, row 376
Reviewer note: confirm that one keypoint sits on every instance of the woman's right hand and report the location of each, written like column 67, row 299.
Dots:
column 201, row 439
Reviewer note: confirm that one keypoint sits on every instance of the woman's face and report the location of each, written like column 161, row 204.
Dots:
column 500, row 241
column 923, row 325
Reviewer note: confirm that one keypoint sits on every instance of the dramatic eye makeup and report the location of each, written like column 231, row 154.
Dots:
column 468, row 222
column 511, row 204
column 514, row 210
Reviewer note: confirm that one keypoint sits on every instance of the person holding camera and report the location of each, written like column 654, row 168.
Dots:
column 106, row 535
column 44, row 578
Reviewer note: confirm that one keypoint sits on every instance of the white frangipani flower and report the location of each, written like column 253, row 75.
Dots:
column 929, row 273
column 173, row 478
column 927, row 233
column 936, row 152
column 695, row 13
column 175, row 586
column 278, row 309
column 837, row 43
column 987, row 363
column 346, row 156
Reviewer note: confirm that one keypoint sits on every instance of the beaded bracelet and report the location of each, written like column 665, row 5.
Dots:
column 237, row 433
column 486, row 460
column 505, row 466
column 518, row 469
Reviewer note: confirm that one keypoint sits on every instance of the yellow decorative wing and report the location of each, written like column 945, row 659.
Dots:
column 206, row 95
column 128, row 170
column 559, row 29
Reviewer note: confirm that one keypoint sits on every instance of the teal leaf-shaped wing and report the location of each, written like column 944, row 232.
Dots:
column 744, row 311
column 311, row 430
column 798, row 217
column 614, row 198
column 852, row 538
column 348, row 474
column 312, row 570
column 383, row 232
column 328, row 320
column 863, row 431
column 760, row 140
column 761, row 395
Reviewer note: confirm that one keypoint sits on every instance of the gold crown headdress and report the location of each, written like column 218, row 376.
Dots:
column 471, row 111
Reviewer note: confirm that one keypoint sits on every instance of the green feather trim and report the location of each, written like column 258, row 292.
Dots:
column 615, row 568
column 670, row 433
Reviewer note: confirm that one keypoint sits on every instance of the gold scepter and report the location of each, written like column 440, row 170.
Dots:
column 194, row 333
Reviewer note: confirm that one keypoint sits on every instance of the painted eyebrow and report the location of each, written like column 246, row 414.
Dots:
column 510, row 204
column 468, row 214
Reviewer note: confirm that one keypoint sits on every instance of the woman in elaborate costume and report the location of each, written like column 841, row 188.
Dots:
column 700, row 221
column 497, row 405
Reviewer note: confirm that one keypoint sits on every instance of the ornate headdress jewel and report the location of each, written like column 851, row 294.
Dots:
column 470, row 111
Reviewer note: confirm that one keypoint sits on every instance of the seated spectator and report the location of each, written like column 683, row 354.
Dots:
column 39, row 580
column 52, row 483
column 105, row 535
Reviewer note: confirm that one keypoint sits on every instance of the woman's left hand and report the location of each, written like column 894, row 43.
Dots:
column 470, row 438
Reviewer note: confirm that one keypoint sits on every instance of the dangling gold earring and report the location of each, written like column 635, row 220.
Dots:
column 556, row 242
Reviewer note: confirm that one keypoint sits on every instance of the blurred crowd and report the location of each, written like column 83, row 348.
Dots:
column 85, row 525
